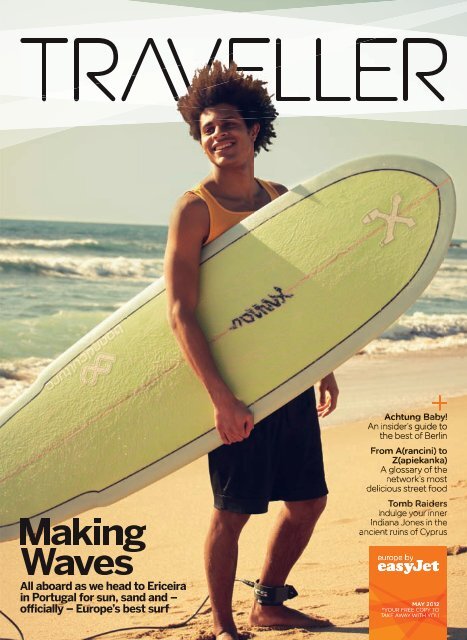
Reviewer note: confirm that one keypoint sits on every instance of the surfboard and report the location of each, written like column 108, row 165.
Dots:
column 286, row 296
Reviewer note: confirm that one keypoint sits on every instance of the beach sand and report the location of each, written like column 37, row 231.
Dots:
column 331, row 576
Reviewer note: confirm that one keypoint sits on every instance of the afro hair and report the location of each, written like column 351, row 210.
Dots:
column 217, row 84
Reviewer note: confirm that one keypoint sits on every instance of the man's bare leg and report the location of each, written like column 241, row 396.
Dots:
column 290, row 536
column 220, row 557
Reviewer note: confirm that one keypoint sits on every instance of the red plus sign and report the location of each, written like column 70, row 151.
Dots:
column 439, row 402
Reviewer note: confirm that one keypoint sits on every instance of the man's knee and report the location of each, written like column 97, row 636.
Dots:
column 228, row 523
column 306, row 510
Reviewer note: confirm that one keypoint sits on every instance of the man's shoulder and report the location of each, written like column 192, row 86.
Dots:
column 190, row 200
column 190, row 207
column 280, row 188
column 189, row 218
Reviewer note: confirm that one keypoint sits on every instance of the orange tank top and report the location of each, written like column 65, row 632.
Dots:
column 220, row 218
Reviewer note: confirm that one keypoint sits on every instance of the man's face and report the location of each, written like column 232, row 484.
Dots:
column 225, row 138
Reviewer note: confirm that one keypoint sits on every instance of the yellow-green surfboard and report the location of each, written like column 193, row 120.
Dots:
column 286, row 296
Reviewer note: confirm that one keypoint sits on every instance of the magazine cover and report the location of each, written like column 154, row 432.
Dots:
column 206, row 209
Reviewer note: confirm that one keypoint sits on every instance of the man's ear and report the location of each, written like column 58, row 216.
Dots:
column 255, row 130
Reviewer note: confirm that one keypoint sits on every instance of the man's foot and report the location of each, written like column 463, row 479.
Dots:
column 226, row 635
column 282, row 616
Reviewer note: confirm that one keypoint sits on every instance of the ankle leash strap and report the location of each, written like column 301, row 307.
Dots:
column 273, row 596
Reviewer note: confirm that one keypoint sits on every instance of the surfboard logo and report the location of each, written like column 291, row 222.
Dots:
column 261, row 308
column 85, row 356
column 391, row 219
column 102, row 365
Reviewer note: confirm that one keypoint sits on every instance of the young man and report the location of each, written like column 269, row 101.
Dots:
column 280, row 458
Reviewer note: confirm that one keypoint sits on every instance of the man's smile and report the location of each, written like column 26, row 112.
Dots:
column 222, row 145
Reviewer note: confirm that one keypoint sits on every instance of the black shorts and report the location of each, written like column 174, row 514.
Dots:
column 282, row 459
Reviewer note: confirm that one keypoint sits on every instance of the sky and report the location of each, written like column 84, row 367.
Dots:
column 134, row 173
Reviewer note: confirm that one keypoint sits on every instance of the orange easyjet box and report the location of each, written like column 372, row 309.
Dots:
column 408, row 593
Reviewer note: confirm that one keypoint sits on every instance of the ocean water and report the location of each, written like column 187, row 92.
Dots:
column 59, row 279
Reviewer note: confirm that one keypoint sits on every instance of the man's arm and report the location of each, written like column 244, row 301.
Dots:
column 327, row 388
column 189, row 226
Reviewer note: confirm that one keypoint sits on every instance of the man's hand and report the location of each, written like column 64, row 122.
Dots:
column 327, row 395
column 234, row 421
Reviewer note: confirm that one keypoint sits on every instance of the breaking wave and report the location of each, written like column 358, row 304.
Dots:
column 421, row 331
column 89, row 268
